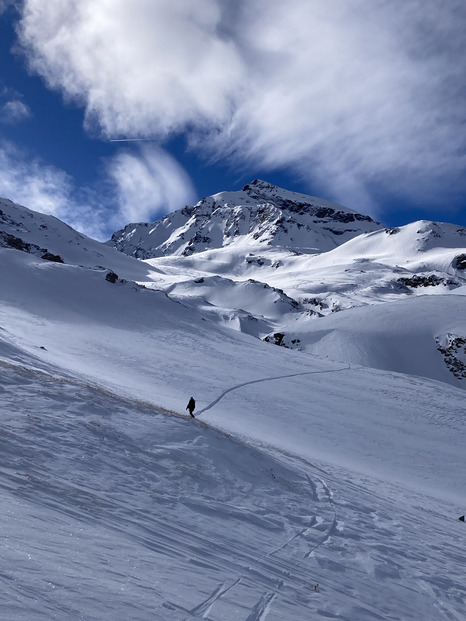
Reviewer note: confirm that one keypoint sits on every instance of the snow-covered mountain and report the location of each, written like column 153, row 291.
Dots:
column 307, row 488
column 283, row 267
column 261, row 214
column 50, row 239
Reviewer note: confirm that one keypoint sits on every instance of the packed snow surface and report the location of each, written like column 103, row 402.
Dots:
column 309, row 487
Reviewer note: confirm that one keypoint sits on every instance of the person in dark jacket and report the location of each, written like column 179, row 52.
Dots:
column 191, row 405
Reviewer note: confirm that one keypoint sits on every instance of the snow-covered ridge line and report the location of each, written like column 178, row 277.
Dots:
column 274, row 291
column 297, row 300
column 259, row 214
column 41, row 234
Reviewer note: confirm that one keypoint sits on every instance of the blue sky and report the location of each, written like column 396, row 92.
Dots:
column 358, row 101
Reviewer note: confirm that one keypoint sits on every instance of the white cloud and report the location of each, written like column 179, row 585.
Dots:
column 132, row 188
column 352, row 95
column 14, row 111
column 140, row 67
column 355, row 94
column 34, row 184
column 148, row 185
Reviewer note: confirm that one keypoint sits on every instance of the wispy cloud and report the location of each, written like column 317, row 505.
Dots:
column 4, row 4
column 31, row 182
column 148, row 184
column 13, row 109
column 355, row 96
column 132, row 187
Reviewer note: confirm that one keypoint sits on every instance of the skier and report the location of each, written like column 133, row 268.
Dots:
column 191, row 405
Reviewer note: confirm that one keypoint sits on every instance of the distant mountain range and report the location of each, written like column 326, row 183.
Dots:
column 289, row 269
column 306, row 274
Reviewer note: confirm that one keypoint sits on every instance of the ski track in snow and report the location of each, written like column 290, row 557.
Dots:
column 85, row 464
column 333, row 525
column 262, row 608
column 267, row 379
column 443, row 607
column 79, row 501
column 204, row 608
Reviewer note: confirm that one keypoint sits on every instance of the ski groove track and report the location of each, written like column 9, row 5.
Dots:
column 267, row 379
column 333, row 526
column 261, row 610
column 204, row 608
column 79, row 455
column 142, row 502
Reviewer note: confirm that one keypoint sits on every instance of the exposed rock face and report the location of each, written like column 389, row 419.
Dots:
column 260, row 213
column 111, row 277
column 11, row 241
column 453, row 349
column 282, row 340
column 55, row 258
column 460, row 262
column 427, row 281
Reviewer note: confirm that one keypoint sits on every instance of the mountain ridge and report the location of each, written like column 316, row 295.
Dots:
column 277, row 293
column 265, row 281
column 259, row 214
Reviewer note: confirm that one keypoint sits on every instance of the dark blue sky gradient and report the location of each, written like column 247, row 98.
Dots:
column 54, row 133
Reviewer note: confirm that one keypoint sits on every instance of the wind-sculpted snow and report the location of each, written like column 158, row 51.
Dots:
column 140, row 343
column 113, row 509
column 408, row 336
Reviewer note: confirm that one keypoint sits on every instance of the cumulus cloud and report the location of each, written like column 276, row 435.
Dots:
column 131, row 188
column 352, row 95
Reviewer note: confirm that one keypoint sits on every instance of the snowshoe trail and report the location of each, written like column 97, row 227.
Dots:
column 267, row 379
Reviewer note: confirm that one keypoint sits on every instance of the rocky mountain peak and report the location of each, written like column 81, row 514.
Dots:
column 259, row 185
column 259, row 214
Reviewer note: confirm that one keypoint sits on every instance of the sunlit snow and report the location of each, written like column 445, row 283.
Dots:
column 309, row 487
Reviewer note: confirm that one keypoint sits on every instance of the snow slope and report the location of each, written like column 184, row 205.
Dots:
column 299, row 470
column 298, row 300
column 114, row 510
column 411, row 336
column 21, row 227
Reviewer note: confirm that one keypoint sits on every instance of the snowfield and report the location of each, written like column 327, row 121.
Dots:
column 311, row 486
column 390, row 299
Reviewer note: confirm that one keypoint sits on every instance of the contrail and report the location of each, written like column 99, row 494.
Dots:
column 129, row 139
